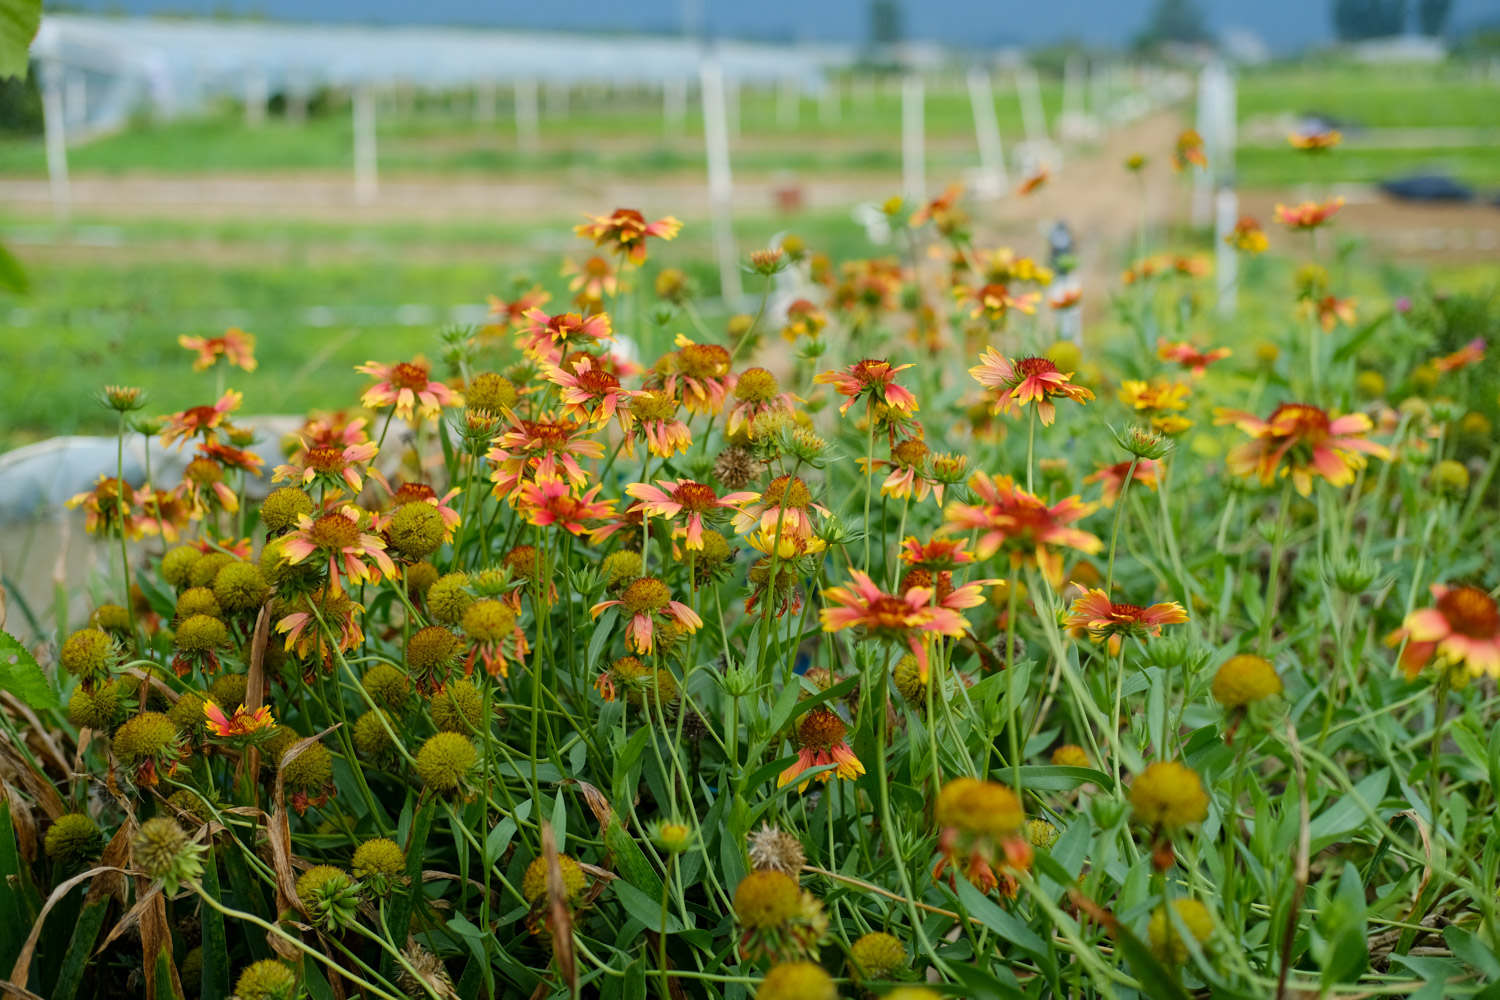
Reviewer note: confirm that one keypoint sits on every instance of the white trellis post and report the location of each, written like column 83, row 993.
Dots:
column 56, row 137
column 720, row 182
column 528, row 115
column 1226, row 260
column 913, row 143
column 1216, row 104
column 987, row 132
column 366, row 177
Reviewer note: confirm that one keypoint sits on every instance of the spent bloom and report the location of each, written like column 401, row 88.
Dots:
column 236, row 347
column 1168, row 795
column 981, row 827
column 1301, row 441
column 649, row 602
column 1461, row 628
column 1028, row 380
column 821, row 741
column 407, row 386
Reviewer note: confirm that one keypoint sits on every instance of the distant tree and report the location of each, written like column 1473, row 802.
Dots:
column 1357, row 19
column 1433, row 15
column 886, row 26
column 1173, row 21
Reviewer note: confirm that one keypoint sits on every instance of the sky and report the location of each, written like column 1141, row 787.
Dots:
column 1285, row 25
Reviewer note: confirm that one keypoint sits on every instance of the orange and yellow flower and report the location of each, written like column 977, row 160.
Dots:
column 1461, row 628
column 1097, row 616
column 1032, row 181
column 781, row 517
column 524, row 445
column 548, row 500
column 649, row 602
column 1160, row 401
column 1189, row 151
column 1248, row 237
column 671, row 499
column 336, row 465
column 589, row 393
column 242, row 723
column 1309, row 214
column 1301, row 441
column 1112, row 478
column 404, row 386
column 873, row 380
column 821, row 742
column 1330, row 311
column 551, row 338
column 1470, row 354
column 337, row 537
column 626, row 230
column 911, row 617
column 1188, row 356
column 1021, row 524
column 1315, row 140
column 200, row 420
column 236, row 347
column 1028, row 380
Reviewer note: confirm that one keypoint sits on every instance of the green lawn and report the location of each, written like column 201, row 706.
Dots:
column 1375, row 97
column 1274, row 166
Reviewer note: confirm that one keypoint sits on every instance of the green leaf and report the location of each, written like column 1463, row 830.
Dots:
column 1471, row 951
column 215, row 939
column 603, row 628
column 1347, row 815
column 1054, row 777
column 1342, row 950
column 85, row 932
column 1156, row 981
column 1359, row 338
column 1007, row 925
column 22, row 676
column 19, row 20
column 12, row 275
column 644, row 909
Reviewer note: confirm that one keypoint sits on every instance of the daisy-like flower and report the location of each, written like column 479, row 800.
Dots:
column 236, row 347
column 494, row 630
column 1160, row 401
column 1461, row 628
column 507, row 315
column 1189, row 151
column 589, row 393
column 1021, row 524
column 1032, row 181
column 940, row 210
column 821, row 741
column 780, row 517
column 654, row 417
column 758, row 394
column 700, row 379
column 648, row 602
column 1315, row 140
column 550, row 338
column 672, row 499
column 336, row 465
column 524, row 445
column 405, row 385
column 909, row 473
column 1309, row 214
column 229, row 457
column 304, row 636
column 1247, row 237
column 1065, row 298
column 1330, row 311
column 626, row 231
column 350, row 551
column 1004, row 266
column 592, row 280
column 418, row 493
column 242, row 722
column 1185, row 354
column 1112, row 478
column 164, row 512
column 549, row 500
column 993, row 302
column 203, row 488
column 981, row 827
column 910, row 618
column 200, row 420
column 1470, row 354
column 1094, row 614
column 872, row 380
column 109, row 509
column 1301, row 441
column 935, row 553
column 1028, row 380
column 803, row 319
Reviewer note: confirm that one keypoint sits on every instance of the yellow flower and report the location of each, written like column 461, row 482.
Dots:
column 1169, row 795
column 1245, row 679
column 1166, row 942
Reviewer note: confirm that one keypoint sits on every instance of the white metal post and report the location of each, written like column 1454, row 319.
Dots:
column 366, row 179
column 913, row 144
column 1226, row 260
column 720, row 182
column 987, row 132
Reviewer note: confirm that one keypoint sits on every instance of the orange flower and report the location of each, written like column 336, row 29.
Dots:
column 701, row 381
column 1248, row 237
column 1032, row 181
column 648, row 602
column 303, row 635
column 337, row 536
column 202, row 420
column 654, row 414
column 1029, row 380
column 803, row 319
column 404, row 385
column 508, row 315
column 1188, row 356
column 525, row 444
column 1462, row 628
column 336, row 465
column 1331, row 311
column 1189, row 151
column 1309, row 214
column 1300, row 440
column 548, row 500
column 671, row 499
column 591, row 280
column 626, row 231
column 994, row 301
column 1315, row 140
column 1470, row 354
column 590, row 394
column 236, row 347
column 1096, row 615
column 109, row 510
column 1021, row 524
column 874, row 380
column 1065, row 298
column 1113, row 478
column 820, row 742
column 242, row 723
column 911, row 617
column 551, row 338
column 781, row 516
column 909, row 473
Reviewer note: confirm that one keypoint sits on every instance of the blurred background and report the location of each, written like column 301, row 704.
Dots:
column 343, row 180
